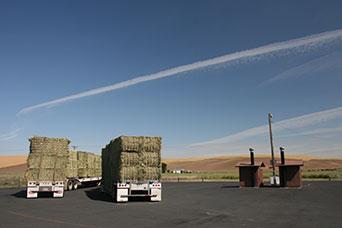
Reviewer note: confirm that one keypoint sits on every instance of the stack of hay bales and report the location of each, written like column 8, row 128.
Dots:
column 89, row 164
column 135, row 158
column 72, row 164
column 98, row 166
column 48, row 159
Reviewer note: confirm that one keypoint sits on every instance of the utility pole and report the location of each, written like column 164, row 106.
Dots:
column 272, row 148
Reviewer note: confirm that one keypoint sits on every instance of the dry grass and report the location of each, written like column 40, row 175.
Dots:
column 205, row 168
column 224, row 163
column 13, row 176
column 7, row 161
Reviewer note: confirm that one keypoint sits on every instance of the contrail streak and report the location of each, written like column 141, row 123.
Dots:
column 10, row 135
column 293, row 123
column 304, row 43
column 333, row 60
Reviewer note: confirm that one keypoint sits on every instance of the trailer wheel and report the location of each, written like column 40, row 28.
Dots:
column 75, row 185
column 69, row 185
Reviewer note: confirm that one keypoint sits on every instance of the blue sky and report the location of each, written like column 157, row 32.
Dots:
column 50, row 50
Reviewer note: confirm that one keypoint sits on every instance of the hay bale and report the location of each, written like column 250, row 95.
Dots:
column 82, row 172
column 48, row 159
column 82, row 158
column 72, row 164
column 89, row 164
column 51, row 160
column 131, row 158
column 45, row 145
column 139, row 143
column 48, row 174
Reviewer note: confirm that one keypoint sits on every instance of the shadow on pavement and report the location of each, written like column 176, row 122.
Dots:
column 97, row 194
column 269, row 186
column 230, row 186
column 20, row 194
column 139, row 199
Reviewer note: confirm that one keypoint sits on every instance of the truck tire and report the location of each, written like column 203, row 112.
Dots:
column 69, row 185
column 75, row 185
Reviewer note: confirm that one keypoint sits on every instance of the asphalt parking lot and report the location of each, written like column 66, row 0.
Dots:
column 317, row 204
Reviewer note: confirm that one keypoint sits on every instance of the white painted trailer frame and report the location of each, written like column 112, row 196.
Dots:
column 124, row 190
column 57, row 187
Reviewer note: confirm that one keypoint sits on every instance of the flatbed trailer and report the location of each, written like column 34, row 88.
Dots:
column 57, row 188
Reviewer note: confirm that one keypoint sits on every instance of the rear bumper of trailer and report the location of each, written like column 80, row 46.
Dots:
column 150, row 189
column 55, row 187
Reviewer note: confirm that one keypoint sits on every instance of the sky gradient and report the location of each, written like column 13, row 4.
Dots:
column 53, row 50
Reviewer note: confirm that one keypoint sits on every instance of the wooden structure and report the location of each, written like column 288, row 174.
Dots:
column 251, row 174
column 290, row 172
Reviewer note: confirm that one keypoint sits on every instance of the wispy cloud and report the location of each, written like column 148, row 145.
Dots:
column 292, row 124
column 10, row 135
column 316, row 133
column 333, row 60
column 322, row 132
column 286, row 47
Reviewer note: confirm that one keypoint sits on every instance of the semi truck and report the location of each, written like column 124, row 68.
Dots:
column 131, row 167
column 53, row 168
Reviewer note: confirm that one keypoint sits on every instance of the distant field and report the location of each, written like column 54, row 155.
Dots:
column 329, row 174
column 223, row 167
column 6, row 161
column 224, row 163
column 12, row 169
column 13, row 176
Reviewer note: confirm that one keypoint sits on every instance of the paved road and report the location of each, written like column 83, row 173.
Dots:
column 317, row 204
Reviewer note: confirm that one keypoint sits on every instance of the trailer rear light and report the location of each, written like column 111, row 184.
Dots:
column 123, row 185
